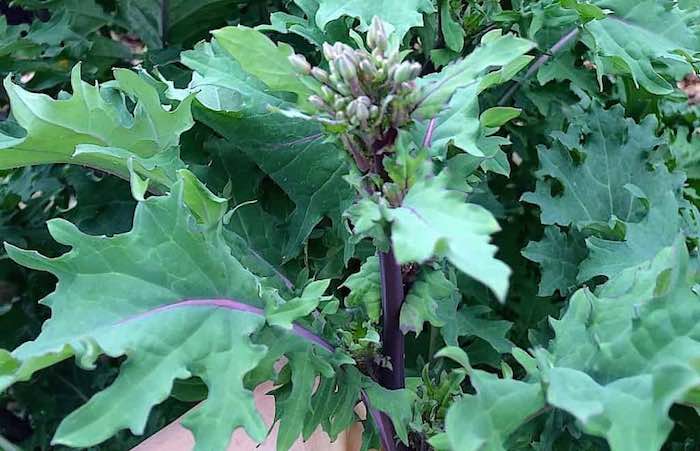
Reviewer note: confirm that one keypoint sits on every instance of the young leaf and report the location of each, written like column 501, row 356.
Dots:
column 400, row 14
column 433, row 221
column 485, row 420
column 495, row 50
column 260, row 57
column 365, row 289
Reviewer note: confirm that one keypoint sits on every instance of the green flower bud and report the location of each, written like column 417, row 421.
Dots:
column 373, row 112
column 300, row 64
column 368, row 70
column 376, row 35
column 327, row 93
column 362, row 113
column 339, row 103
column 317, row 102
column 346, row 68
column 329, row 51
column 402, row 73
column 319, row 74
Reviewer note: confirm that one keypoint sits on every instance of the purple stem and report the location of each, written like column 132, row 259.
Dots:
column 383, row 423
column 539, row 62
column 392, row 337
column 428, row 138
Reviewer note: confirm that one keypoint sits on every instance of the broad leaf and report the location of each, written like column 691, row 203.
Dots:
column 120, row 296
column 400, row 14
column 485, row 420
column 600, row 164
column 433, row 221
column 641, row 35
column 260, row 57
column 94, row 128
column 559, row 255
column 495, row 50
column 291, row 151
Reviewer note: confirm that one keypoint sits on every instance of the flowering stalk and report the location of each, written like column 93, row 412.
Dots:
column 365, row 97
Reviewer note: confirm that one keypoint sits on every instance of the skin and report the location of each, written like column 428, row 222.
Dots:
column 174, row 437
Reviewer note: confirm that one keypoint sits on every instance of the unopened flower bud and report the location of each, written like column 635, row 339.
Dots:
column 368, row 69
column 329, row 51
column 339, row 103
column 376, row 35
column 327, row 93
column 343, row 88
column 346, row 68
column 351, row 110
column 319, row 74
column 403, row 72
column 362, row 113
column 373, row 112
column 339, row 116
column 317, row 102
column 300, row 64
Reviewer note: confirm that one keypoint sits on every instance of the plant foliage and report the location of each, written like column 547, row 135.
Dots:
column 477, row 219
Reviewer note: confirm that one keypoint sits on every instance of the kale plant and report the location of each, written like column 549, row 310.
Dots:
column 476, row 219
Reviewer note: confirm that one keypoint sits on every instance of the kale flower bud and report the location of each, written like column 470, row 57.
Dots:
column 317, row 102
column 362, row 112
column 300, row 64
column 329, row 51
column 346, row 68
column 327, row 93
column 368, row 69
column 319, row 74
column 376, row 35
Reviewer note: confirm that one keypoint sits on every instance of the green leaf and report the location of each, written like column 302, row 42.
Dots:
column 365, row 289
column 400, row 14
column 600, row 163
column 93, row 128
column 397, row 404
column 292, row 410
column 639, row 37
column 495, row 50
column 433, row 221
column 485, row 420
column 469, row 321
column 643, row 241
column 185, row 21
column 121, row 296
column 559, row 255
column 285, row 314
column 604, row 410
column 260, row 57
column 291, row 151
column 423, row 301
column 451, row 30
column 498, row 116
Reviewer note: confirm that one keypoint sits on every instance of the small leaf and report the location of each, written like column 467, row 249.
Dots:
column 498, row 116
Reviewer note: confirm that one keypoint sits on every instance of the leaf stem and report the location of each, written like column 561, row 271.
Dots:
column 428, row 138
column 571, row 34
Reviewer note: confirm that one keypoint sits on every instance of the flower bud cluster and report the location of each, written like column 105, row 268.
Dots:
column 364, row 92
